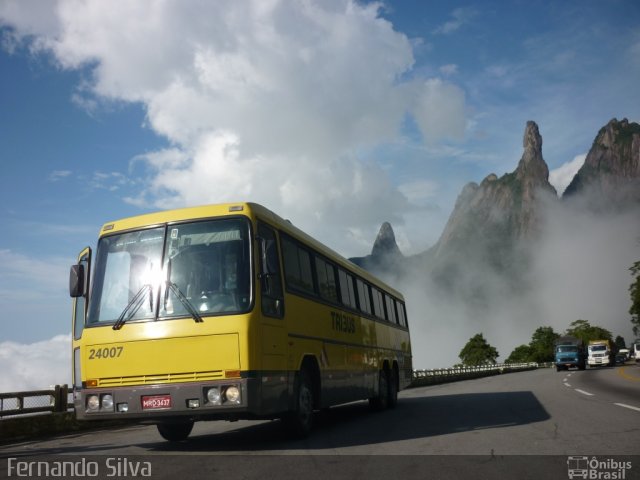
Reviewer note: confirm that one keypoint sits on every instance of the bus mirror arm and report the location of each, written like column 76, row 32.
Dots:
column 265, row 279
column 265, row 275
column 76, row 281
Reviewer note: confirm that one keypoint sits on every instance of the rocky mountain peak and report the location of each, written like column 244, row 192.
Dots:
column 611, row 171
column 532, row 166
column 489, row 219
column 385, row 243
column 386, row 258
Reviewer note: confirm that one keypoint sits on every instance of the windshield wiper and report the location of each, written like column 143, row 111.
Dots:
column 178, row 293
column 134, row 305
column 184, row 300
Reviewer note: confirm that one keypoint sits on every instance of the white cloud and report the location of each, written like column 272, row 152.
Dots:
column 420, row 192
column 42, row 273
column 439, row 110
column 111, row 181
column 449, row 69
column 561, row 177
column 35, row 366
column 31, row 290
column 58, row 175
column 460, row 17
column 269, row 101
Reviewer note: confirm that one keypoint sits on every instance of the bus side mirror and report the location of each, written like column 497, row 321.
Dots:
column 76, row 281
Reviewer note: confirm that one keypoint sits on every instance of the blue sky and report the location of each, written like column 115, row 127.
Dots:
column 337, row 115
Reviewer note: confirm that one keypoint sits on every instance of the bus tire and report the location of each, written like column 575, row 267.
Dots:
column 175, row 431
column 381, row 401
column 393, row 388
column 299, row 421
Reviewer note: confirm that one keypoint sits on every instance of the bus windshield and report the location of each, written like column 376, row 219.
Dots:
column 170, row 271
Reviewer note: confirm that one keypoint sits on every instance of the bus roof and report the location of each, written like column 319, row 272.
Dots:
column 252, row 210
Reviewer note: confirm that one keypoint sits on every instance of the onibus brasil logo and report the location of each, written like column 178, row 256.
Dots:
column 596, row 469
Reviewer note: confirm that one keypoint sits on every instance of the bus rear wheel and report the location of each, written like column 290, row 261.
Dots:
column 393, row 388
column 381, row 401
column 299, row 421
column 175, row 432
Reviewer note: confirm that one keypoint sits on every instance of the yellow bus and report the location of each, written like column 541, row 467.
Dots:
column 228, row 312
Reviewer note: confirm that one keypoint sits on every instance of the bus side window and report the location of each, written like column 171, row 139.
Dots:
column 401, row 313
column 391, row 309
column 364, row 299
column 271, row 280
column 378, row 305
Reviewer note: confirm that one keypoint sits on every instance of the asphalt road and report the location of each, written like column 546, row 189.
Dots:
column 492, row 422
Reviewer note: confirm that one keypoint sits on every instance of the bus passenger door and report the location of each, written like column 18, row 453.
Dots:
column 273, row 332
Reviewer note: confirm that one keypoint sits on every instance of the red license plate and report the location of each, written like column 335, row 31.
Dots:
column 156, row 402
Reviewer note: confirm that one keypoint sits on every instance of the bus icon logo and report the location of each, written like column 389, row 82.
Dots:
column 578, row 467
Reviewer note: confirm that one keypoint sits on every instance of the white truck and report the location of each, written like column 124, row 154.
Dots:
column 599, row 353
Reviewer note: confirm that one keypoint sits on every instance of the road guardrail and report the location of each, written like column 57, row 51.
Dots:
column 445, row 375
column 53, row 400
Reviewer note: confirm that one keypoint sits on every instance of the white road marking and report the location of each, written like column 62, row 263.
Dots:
column 583, row 392
column 566, row 384
column 627, row 406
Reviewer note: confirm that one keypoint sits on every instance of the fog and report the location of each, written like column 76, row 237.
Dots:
column 577, row 268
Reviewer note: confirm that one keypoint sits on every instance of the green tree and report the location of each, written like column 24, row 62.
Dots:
column 542, row 345
column 478, row 352
column 620, row 343
column 634, row 289
column 521, row 354
column 584, row 330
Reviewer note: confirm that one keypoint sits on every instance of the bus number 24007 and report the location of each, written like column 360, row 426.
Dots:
column 105, row 352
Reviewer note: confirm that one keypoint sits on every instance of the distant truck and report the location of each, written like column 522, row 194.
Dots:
column 635, row 352
column 601, row 353
column 569, row 353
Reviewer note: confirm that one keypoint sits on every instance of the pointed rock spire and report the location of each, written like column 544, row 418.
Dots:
column 532, row 165
column 385, row 243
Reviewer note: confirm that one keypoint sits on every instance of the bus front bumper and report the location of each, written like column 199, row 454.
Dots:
column 224, row 398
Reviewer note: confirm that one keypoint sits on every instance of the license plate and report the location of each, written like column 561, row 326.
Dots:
column 156, row 402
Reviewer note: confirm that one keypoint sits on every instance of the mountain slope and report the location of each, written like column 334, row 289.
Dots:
column 610, row 175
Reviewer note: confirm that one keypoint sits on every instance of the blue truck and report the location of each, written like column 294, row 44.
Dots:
column 570, row 352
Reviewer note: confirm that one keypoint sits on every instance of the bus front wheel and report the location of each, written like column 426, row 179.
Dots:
column 175, row 432
column 299, row 421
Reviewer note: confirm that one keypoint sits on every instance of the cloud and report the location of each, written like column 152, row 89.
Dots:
column 420, row 192
column 439, row 110
column 561, row 177
column 57, row 175
column 16, row 268
column 35, row 366
column 268, row 101
column 461, row 16
column 111, row 181
column 449, row 69
column 30, row 291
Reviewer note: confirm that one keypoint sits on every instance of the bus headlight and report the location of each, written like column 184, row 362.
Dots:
column 232, row 394
column 213, row 395
column 107, row 402
column 93, row 403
